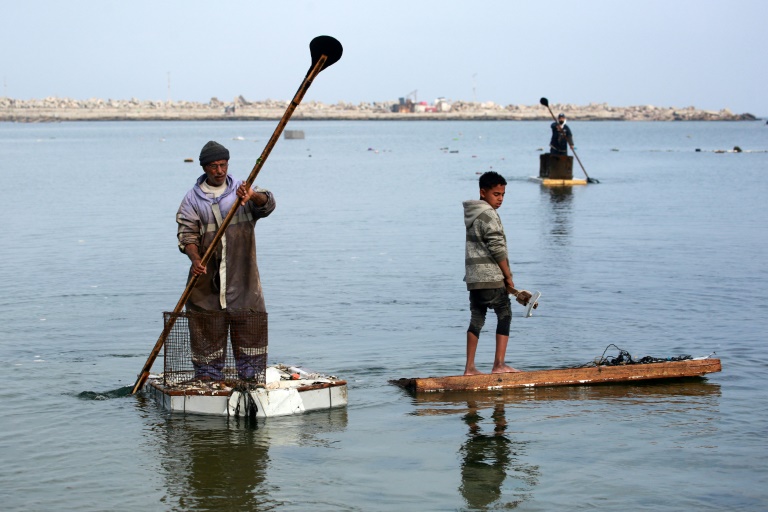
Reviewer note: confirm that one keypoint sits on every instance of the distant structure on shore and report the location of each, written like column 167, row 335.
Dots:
column 63, row 109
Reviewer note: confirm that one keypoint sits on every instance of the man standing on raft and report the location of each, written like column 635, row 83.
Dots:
column 488, row 276
column 230, row 282
column 561, row 137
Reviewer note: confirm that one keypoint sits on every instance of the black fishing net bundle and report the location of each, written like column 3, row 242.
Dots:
column 625, row 358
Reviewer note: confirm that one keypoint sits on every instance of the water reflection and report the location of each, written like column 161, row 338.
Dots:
column 491, row 457
column 219, row 463
column 560, row 201
column 658, row 392
column 496, row 468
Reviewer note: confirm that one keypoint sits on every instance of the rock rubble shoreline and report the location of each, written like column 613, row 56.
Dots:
column 55, row 109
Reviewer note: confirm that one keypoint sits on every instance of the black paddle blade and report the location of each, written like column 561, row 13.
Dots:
column 328, row 46
column 544, row 101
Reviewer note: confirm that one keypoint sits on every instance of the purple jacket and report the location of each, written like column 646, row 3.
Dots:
column 198, row 219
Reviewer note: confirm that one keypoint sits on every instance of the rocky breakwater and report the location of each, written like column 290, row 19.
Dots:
column 64, row 109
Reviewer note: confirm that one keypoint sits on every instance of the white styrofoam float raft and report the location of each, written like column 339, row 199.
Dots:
column 288, row 390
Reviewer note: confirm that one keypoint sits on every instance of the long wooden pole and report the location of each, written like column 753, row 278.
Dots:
column 317, row 67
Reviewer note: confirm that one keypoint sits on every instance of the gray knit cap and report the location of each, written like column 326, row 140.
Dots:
column 213, row 151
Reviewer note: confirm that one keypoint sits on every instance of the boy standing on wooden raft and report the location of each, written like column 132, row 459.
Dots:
column 488, row 277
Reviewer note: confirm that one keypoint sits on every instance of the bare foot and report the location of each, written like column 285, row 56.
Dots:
column 472, row 371
column 504, row 369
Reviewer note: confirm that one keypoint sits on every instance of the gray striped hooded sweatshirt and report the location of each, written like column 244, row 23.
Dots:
column 486, row 246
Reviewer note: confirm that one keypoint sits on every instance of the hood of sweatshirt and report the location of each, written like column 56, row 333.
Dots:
column 473, row 209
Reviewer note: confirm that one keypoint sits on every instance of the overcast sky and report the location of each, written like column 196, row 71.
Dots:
column 703, row 53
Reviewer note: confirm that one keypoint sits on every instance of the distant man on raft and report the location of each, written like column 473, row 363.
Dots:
column 561, row 137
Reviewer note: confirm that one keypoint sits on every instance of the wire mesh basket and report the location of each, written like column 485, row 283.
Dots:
column 228, row 346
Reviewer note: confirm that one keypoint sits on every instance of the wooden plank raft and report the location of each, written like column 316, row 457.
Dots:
column 564, row 376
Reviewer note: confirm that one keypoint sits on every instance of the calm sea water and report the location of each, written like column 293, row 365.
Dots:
column 362, row 265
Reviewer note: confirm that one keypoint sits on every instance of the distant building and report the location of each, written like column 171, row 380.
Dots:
column 406, row 105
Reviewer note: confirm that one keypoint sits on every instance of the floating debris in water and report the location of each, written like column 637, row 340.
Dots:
column 736, row 149
column 293, row 134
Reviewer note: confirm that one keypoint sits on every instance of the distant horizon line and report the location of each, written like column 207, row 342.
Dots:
column 371, row 102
